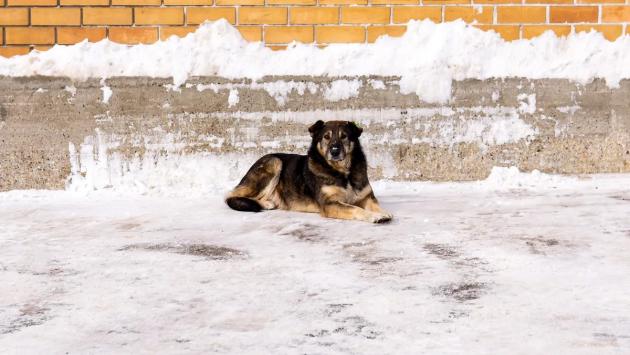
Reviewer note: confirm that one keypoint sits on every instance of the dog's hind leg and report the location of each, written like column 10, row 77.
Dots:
column 257, row 189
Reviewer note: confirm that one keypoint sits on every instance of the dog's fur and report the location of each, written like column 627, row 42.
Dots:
column 331, row 180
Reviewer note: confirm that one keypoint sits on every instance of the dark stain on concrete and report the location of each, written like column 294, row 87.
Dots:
column 30, row 315
column 540, row 244
column 442, row 251
column 211, row 252
column 461, row 292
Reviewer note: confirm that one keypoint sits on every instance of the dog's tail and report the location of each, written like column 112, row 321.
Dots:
column 243, row 204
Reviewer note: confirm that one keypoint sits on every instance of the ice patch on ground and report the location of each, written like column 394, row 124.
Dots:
column 427, row 57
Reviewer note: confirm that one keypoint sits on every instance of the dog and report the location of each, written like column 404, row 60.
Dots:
column 330, row 180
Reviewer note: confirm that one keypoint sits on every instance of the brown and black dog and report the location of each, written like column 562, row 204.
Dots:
column 331, row 179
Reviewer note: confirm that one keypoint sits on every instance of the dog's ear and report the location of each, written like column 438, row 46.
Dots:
column 356, row 130
column 316, row 127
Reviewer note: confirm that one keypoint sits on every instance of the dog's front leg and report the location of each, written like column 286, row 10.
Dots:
column 342, row 210
column 370, row 203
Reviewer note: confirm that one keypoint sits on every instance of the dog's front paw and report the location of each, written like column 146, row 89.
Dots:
column 382, row 217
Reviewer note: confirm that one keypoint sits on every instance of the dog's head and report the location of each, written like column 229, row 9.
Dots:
column 335, row 141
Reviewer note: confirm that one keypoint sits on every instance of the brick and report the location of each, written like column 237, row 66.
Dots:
column 32, row 2
column 615, row 13
column 137, row 2
column 343, row 2
column 314, row 15
column 406, row 13
column 14, row 50
column 445, row 2
column 107, row 16
column 197, row 15
column 521, row 14
column 276, row 47
column 14, row 17
column 507, row 32
column 610, row 32
column 600, row 1
column 262, row 16
column 72, row 35
column 469, row 14
column 179, row 31
column 537, row 30
column 339, row 34
column 563, row 14
column 30, row 35
column 374, row 32
column 291, row 2
column 550, row 2
column 251, row 33
column 41, row 48
column 159, row 15
column 133, row 35
column 84, row 2
column 188, row 2
column 365, row 15
column 497, row 2
column 287, row 34
column 56, row 16
column 395, row 2
column 240, row 2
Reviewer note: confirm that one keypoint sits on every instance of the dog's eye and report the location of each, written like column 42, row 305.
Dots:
column 327, row 136
column 343, row 136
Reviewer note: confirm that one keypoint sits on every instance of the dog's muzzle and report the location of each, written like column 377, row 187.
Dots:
column 336, row 153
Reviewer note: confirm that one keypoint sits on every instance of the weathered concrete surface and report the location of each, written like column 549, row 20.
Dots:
column 555, row 126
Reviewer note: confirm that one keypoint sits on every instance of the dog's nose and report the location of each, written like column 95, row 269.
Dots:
column 334, row 151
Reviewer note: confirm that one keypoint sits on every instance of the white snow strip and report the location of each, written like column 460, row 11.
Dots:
column 233, row 98
column 107, row 93
column 428, row 57
column 342, row 90
column 71, row 89
column 527, row 103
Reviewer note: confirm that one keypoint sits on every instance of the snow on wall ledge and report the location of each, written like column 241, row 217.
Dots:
column 427, row 58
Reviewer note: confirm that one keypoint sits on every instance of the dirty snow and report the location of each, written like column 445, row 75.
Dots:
column 164, row 166
column 519, row 263
column 428, row 57
column 342, row 90
column 233, row 98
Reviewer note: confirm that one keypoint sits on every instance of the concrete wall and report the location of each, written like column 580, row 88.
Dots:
column 555, row 126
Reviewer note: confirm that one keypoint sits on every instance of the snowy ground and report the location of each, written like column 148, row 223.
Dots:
column 529, row 264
